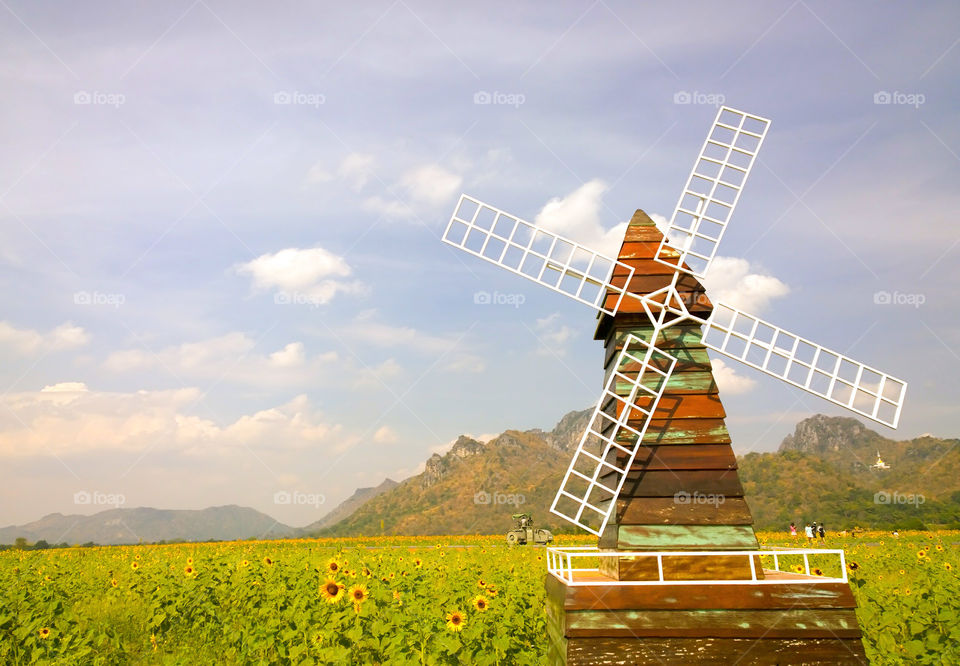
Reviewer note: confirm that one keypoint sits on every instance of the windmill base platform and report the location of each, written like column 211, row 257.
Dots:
column 669, row 617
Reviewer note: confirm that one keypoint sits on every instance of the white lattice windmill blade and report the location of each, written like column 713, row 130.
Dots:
column 713, row 190
column 600, row 465
column 814, row 368
column 539, row 255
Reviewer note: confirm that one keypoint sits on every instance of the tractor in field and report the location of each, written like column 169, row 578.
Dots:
column 525, row 532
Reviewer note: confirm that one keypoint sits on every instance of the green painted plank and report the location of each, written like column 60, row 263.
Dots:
column 686, row 537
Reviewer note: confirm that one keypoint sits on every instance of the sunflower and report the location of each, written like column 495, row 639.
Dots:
column 359, row 594
column 333, row 566
column 114, row 583
column 481, row 583
column 480, row 603
column 332, row 591
column 189, row 560
column 939, row 548
column 921, row 554
column 456, row 620
column 907, row 591
column 853, row 566
column 817, row 572
column 367, row 572
column 947, row 566
column 268, row 561
column 244, row 563
column 317, row 638
column 418, row 563
column 189, row 571
column 134, row 565
column 902, row 572
column 798, row 568
column 44, row 632
column 492, row 590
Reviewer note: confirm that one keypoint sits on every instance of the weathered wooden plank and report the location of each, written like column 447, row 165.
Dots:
column 682, row 483
column 684, row 537
column 786, row 623
column 666, row 511
column 714, row 652
column 680, row 335
column 670, row 406
column 690, row 456
column 676, row 567
column 680, row 383
column 667, row 432
column 671, row 597
column 642, row 228
column 688, row 360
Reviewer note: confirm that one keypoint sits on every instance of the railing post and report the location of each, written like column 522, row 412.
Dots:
column 776, row 562
column 753, row 568
column 660, row 566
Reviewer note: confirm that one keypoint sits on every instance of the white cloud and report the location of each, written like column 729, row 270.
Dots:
column 355, row 169
column 577, row 217
column 367, row 328
column 431, row 184
column 44, row 422
column 309, row 272
column 385, row 435
column 730, row 280
column 728, row 381
column 28, row 341
column 290, row 356
column 419, row 189
column 229, row 357
column 65, row 387
column 553, row 334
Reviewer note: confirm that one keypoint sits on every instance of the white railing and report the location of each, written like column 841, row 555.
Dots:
column 560, row 563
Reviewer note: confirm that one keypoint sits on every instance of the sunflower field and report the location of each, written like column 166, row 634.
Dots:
column 396, row 600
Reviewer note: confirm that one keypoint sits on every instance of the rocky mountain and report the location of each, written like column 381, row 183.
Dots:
column 824, row 471
column 349, row 505
column 117, row 526
column 474, row 488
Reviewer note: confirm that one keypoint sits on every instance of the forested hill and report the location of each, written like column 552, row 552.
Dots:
column 824, row 472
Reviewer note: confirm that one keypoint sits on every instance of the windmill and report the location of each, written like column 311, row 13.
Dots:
column 657, row 322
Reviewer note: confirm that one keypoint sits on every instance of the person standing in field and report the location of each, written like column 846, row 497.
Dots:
column 822, row 534
column 793, row 530
column 808, row 530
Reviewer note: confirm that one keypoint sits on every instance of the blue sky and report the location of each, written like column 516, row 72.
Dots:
column 219, row 225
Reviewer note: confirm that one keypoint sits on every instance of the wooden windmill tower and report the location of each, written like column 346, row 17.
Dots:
column 678, row 574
